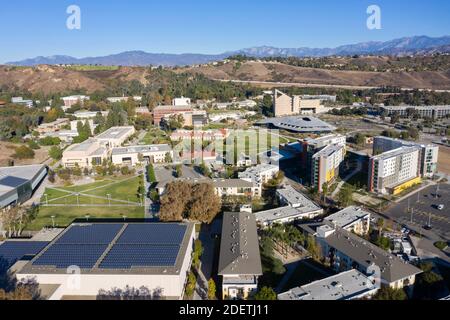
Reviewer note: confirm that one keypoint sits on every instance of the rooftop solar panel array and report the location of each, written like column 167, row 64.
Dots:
column 90, row 234
column 139, row 245
column 12, row 251
column 153, row 234
column 126, row 256
column 61, row 256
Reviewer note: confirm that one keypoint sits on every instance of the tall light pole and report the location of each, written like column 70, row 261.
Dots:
column 109, row 199
column 53, row 221
column 46, row 199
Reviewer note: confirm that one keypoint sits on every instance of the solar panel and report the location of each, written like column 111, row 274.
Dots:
column 12, row 251
column 65, row 255
column 168, row 234
column 126, row 256
column 90, row 234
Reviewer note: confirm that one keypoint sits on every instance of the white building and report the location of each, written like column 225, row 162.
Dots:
column 348, row 285
column 113, row 256
column 394, row 171
column 86, row 154
column 181, row 102
column 233, row 187
column 429, row 155
column 21, row 101
column 296, row 207
column 259, row 175
column 353, row 219
column 116, row 136
column 71, row 100
column 149, row 153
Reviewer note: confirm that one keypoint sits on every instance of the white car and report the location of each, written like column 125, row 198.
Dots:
column 441, row 207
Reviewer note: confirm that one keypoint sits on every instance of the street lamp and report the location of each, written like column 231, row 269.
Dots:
column 87, row 217
column 53, row 221
column 109, row 199
column 46, row 199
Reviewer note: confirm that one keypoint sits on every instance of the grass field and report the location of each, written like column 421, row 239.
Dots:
column 156, row 136
column 65, row 215
column 69, row 203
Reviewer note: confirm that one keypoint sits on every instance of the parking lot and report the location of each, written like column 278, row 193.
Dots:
column 423, row 209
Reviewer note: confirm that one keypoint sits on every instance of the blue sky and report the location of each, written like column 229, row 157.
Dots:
column 31, row 28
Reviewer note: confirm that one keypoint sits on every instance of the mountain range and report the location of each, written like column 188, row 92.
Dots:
column 397, row 47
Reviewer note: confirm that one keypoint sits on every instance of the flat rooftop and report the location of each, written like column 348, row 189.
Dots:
column 295, row 197
column 343, row 286
column 329, row 150
column 142, row 149
column 272, row 215
column 232, row 183
column 348, row 216
column 239, row 247
column 172, row 108
column 115, row 133
column 115, row 248
column 395, row 153
column 13, row 177
column 299, row 124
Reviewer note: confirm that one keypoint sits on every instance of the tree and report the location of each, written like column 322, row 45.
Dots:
column 312, row 247
column 178, row 171
column 24, row 152
column 190, row 286
column 265, row 294
column 345, row 196
column 55, row 153
column 204, row 204
column 140, row 190
column 197, row 254
column 387, row 293
column 325, row 192
column 211, row 289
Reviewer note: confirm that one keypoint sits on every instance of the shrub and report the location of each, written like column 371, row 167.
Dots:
column 24, row 152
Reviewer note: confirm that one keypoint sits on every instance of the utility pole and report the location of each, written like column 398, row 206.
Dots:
column 412, row 215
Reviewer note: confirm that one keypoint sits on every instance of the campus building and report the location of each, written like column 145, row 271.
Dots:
column 285, row 105
column 233, row 187
column 259, row 175
column 429, row 153
column 137, row 154
column 298, row 124
column 239, row 260
column 164, row 111
column 17, row 184
column 394, row 171
column 433, row 112
column 96, row 260
column 85, row 155
column 71, row 100
column 348, row 285
column 353, row 219
column 325, row 165
column 344, row 250
column 54, row 126
column 93, row 151
column 296, row 206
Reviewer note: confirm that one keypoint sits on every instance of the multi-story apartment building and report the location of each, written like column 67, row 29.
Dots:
column 325, row 165
column 285, row 105
column 259, row 175
column 313, row 160
column 71, row 100
column 434, row 112
column 395, row 170
column 429, row 153
column 240, row 260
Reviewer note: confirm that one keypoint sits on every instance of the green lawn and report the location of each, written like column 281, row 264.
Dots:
column 156, row 136
column 64, row 216
column 124, row 190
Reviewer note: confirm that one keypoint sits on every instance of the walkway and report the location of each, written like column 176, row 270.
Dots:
column 346, row 179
